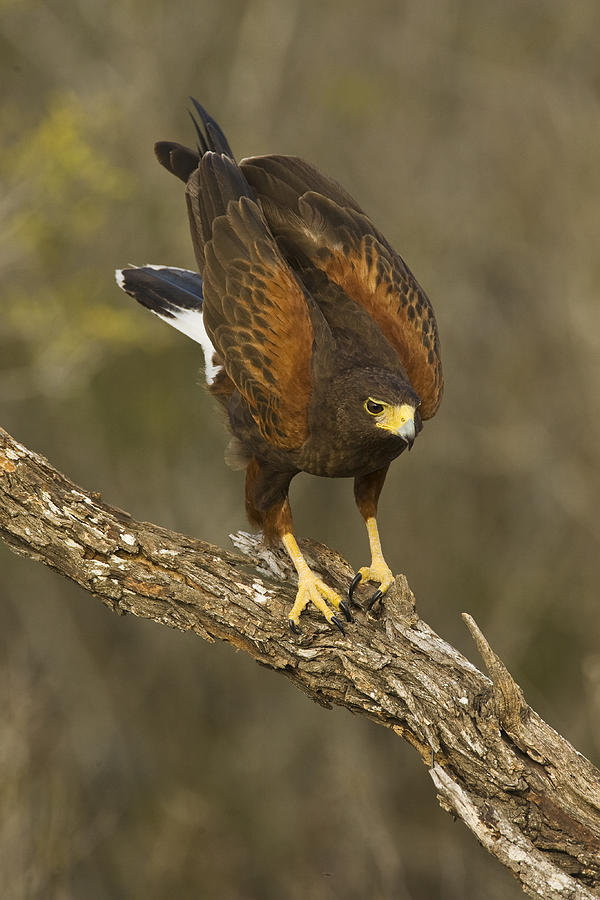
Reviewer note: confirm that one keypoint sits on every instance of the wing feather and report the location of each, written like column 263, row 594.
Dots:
column 255, row 311
column 314, row 219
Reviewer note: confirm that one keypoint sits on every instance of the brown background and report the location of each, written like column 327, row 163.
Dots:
column 136, row 762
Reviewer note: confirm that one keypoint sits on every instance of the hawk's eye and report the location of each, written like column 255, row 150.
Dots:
column 373, row 407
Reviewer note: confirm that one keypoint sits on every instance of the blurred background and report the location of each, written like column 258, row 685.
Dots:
column 138, row 762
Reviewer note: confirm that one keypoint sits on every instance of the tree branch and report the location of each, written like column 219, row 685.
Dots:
column 527, row 795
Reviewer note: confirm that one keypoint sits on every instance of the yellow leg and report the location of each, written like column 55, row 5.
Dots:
column 378, row 570
column 311, row 590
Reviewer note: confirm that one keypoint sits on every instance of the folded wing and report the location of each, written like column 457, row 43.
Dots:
column 315, row 220
column 254, row 310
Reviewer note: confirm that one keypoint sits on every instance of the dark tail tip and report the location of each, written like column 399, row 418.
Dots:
column 165, row 290
column 177, row 159
column 212, row 137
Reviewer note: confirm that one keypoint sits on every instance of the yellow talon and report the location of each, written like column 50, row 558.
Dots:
column 378, row 571
column 312, row 589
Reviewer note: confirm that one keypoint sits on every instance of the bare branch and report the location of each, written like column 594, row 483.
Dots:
column 527, row 795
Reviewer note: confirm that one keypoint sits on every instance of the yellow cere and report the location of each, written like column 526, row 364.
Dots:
column 394, row 417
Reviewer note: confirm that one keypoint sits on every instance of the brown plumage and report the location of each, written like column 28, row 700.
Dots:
column 326, row 354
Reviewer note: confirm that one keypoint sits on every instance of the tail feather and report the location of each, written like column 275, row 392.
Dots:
column 162, row 289
column 177, row 159
column 180, row 160
column 212, row 138
column 212, row 176
column 175, row 296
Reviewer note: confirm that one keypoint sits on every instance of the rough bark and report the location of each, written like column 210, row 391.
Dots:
column 529, row 797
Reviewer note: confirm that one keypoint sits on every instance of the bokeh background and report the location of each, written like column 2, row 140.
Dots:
column 138, row 762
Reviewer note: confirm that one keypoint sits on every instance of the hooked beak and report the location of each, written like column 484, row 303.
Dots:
column 407, row 432
column 400, row 420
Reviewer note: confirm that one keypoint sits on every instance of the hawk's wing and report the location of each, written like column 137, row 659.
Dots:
column 314, row 219
column 255, row 311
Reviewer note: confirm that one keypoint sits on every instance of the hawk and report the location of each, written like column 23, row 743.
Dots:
column 318, row 340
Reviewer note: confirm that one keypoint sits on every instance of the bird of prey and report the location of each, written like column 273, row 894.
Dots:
column 318, row 340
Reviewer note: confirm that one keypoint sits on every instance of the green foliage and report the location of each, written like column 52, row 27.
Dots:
column 69, row 188
column 66, row 193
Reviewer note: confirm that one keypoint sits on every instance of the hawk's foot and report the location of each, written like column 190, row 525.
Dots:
column 312, row 589
column 377, row 571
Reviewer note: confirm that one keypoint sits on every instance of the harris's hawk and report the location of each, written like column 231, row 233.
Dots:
column 319, row 341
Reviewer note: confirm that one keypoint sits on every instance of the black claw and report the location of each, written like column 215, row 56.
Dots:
column 355, row 581
column 336, row 621
column 294, row 628
column 376, row 596
column 346, row 611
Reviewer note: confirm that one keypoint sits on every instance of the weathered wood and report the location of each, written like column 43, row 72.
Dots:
column 524, row 791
